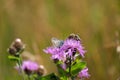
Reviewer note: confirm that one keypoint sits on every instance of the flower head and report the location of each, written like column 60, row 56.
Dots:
column 73, row 45
column 68, row 48
column 28, row 67
column 84, row 73
column 56, row 53
column 66, row 51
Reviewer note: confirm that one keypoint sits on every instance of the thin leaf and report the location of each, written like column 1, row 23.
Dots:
column 13, row 58
column 51, row 76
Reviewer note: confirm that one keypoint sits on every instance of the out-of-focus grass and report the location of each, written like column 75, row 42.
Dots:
column 36, row 21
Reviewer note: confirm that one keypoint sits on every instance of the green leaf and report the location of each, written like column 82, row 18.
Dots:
column 13, row 58
column 76, row 68
column 61, row 71
column 51, row 76
column 59, row 62
column 64, row 78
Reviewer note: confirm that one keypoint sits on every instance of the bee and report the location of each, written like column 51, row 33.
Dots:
column 74, row 36
column 56, row 42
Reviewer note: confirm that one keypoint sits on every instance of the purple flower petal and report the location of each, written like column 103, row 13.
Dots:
column 71, row 43
column 32, row 66
column 84, row 73
column 68, row 47
column 29, row 65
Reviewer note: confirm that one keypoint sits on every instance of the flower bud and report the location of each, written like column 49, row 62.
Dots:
column 12, row 51
column 41, row 70
column 18, row 45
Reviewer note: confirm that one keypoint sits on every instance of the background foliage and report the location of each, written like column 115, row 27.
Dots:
column 36, row 21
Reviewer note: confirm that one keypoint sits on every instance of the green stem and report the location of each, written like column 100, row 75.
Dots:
column 21, row 71
column 70, row 74
column 72, row 78
column 29, row 77
column 70, row 69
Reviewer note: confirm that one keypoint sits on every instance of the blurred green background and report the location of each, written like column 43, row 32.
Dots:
column 36, row 21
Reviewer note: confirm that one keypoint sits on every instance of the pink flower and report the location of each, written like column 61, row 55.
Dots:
column 73, row 44
column 84, row 73
column 28, row 67
column 69, row 47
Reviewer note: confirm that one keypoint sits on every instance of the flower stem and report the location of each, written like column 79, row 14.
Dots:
column 19, row 62
column 29, row 77
column 70, row 64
